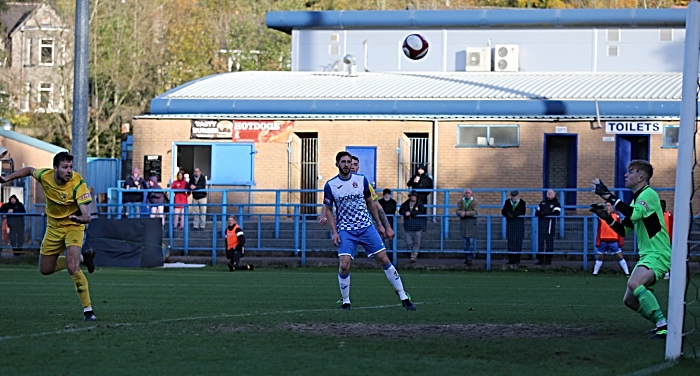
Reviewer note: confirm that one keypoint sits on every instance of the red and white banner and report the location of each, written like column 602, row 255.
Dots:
column 258, row 131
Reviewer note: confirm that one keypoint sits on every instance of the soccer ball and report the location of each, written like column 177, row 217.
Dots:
column 415, row 47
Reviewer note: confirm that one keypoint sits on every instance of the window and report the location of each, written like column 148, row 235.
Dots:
column 45, row 99
column 670, row 136
column 488, row 135
column 47, row 53
column 613, row 35
column 29, row 50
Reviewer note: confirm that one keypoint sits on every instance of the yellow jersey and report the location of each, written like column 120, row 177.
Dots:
column 64, row 200
column 372, row 193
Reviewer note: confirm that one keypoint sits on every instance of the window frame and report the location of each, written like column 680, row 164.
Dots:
column 488, row 135
column 664, row 145
column 52, row 46
column 41, row 90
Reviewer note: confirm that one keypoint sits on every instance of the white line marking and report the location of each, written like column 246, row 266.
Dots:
column 654, row 369
column 223, row 315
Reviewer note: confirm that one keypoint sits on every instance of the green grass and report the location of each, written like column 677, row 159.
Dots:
column 287, row 322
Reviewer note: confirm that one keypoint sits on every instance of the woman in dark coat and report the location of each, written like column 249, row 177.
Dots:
column 15, row 223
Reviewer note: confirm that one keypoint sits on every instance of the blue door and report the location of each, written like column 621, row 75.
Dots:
column 628, row 148
column 368, row 161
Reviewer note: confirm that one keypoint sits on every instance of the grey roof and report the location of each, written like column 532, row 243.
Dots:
column 16, row 13
column 456, row 85
column 31, row 141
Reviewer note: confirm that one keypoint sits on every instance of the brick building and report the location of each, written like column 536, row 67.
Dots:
column 584, row 92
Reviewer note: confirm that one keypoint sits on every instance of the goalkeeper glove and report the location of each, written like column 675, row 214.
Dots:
column 603, row 191
column 602, row 213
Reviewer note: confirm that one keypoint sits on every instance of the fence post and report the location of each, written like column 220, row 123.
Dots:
column 535, row 235
column 488, row 242
column 585, row 243
column 562, row 201
column 303, row 240
column 186, row 232
column 503, row 219
column 446, row 212
column 277, row 214
column 213, row 240
column 296, row 230
column 395, row 240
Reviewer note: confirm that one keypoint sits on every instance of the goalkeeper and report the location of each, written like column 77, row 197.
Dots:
column 644, row 216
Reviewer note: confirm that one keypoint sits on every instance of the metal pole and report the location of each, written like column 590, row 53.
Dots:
column 80, row 88
column 684, row 172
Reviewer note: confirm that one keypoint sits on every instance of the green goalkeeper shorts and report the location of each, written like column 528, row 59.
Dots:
column 659, row 264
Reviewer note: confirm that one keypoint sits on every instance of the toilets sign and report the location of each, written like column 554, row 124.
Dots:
column 634, row 127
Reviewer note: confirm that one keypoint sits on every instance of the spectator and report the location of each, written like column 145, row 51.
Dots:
column 413, row 212
column 180, row 200
column 547, row 213
column 467, row 210
column 421, row 180
column 513, row 210
column 668, row 220
column 608, row 241
column 15, row 223
column 156, row 199
column 134, row 199
column 235, row 242
column 198, row 184
column 388, row 205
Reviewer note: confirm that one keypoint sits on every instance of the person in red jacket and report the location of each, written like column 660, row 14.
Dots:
column 668, row 220
column 608, row 241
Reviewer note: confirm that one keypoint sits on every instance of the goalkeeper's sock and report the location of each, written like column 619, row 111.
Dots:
column 81, row 287
column 60, row 263
column 598, row 264
column 623, row 264
column 393, row 276
column 649, row 305
column 344, row 283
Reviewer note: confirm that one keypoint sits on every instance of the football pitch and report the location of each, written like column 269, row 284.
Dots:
column 287, row 322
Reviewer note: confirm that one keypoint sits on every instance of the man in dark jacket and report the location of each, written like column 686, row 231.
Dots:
column 414, row 221
column 547, row 213
column 134, row 181
column 15, row 223
column 388, row 205
column 198, row 209
column 421, row 180
column 513, row 210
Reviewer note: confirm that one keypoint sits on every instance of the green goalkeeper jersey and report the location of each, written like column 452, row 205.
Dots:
column 648, row 223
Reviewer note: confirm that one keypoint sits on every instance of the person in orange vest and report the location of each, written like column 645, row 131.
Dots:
column 235, row 240
column 608, row 241
column 668, row 219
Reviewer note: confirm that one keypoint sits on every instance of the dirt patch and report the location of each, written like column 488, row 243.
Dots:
column 393, row 331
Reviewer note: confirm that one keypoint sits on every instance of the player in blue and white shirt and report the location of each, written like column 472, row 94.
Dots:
column 351, row 196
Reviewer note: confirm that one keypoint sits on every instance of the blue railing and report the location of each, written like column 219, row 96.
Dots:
column 297, row 231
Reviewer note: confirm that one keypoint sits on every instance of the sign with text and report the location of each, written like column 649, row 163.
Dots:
column 634, row 127
column 257, row 131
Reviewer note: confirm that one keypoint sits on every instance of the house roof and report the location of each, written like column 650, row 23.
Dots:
column 16, row 13
column 455, row 94
column 31, row 141
column 286, row 21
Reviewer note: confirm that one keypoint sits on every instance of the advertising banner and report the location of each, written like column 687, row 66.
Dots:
column 256, row 131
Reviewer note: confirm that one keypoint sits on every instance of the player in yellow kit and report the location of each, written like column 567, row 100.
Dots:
column 67, row 199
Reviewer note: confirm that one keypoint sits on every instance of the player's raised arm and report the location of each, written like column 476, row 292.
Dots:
column 21, row 173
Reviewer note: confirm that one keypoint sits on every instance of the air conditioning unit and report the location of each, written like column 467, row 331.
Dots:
column 478, row 59
column 506, row 58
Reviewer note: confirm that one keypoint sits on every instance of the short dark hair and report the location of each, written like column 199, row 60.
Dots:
column 354, row 158
column 342, row 154
column 642, row 165
column 63, row 156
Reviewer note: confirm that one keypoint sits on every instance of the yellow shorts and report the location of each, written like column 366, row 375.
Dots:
column 57, row 239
